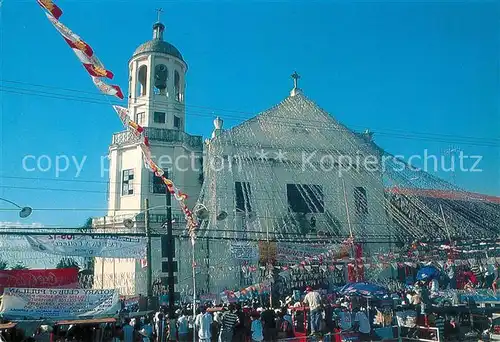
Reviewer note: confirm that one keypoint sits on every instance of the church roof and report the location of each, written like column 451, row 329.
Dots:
column 158, row 46
column 297, row 115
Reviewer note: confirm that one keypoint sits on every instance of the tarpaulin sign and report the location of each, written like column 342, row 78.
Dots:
column 58, row 303
column 244, row 251
column 90, row 246
column 60, row 278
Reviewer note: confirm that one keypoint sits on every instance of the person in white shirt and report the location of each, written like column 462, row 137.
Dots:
column 159, row 325
column 256, row 329
column 363, row 325
column 203, row 323
column 313, row 300
column 434, row 286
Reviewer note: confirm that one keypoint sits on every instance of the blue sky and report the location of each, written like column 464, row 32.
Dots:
column 420, row 75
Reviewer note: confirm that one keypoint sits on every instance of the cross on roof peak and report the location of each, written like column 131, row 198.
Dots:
column 159, row 11
column 295, row 76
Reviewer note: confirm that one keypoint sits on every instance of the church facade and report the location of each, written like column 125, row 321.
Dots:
column 292, row 174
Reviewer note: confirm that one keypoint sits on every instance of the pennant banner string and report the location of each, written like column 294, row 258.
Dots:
column 97, row 71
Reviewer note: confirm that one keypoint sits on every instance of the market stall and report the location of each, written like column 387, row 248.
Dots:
column 91, row 330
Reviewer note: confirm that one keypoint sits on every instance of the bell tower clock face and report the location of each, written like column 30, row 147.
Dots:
column 161, row 76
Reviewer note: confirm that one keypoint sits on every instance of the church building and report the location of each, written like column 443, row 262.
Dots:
column 292, row 175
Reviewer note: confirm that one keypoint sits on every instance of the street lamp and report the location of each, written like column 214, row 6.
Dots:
column 24, row 212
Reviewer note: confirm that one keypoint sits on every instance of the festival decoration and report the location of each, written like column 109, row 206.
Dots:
column 19, row 303
column 112, row 90
column 84, row 53
column 138, row 131
column 48, row 278
column 73, row 40
column 82, row 50
column 96, row 70
column 89, row 246
column 51, row 8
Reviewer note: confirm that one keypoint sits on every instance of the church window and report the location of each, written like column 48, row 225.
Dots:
column 142, row 77
column 177, row 122
column 360, row 200
column 139, row 118
column 159, row 117
column 305, row 198
column 157, row 184
column 243, row 194
column 128, row 182
column 177, row 87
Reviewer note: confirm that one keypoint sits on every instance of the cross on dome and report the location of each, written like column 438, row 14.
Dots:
column 159, row 11
column 295, row 76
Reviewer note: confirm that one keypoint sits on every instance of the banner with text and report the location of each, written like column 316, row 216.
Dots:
column 58, row 303
column 60, row 278
column 90, row 246
column 244, row 251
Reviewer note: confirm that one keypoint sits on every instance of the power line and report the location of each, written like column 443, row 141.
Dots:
column 436, row 137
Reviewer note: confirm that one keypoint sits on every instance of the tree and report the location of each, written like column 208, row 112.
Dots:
column 87, row 226
column 19, row 266
column 67, row 263
column 3, row 265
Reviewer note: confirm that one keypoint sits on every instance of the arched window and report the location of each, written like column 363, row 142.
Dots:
column 161, row 77
column 177, row 86
column 142, row 78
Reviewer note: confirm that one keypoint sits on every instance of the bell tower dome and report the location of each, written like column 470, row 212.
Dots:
column 157, row 83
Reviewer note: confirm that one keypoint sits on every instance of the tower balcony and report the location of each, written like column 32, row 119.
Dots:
column 159, row 134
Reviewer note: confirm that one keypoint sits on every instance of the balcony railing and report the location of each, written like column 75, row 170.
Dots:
column 159, row 134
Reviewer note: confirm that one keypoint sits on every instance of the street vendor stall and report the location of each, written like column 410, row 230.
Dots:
column 91, row 330
column 7, row 331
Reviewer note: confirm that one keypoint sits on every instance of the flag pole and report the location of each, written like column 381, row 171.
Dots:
column 350, row 230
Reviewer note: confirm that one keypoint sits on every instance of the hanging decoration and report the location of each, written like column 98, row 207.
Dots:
column 51, row 8
column 82, row 50
column 111, row 90
column 96, row 70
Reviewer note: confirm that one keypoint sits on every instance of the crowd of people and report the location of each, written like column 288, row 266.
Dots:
column 246, row 322
column 313, row 314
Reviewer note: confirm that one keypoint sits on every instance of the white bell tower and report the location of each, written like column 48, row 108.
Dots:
column 157, row 73
column 157, row 83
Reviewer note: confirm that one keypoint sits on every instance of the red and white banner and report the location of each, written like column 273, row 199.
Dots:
column 96, row 70
column 51, row 8
column 73, row 40
column 112, row 90
column 60, row 278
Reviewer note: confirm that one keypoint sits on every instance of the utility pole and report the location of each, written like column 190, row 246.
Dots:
column 208, row 266
column 350, row 231
column 149, row 277
column 170, row 252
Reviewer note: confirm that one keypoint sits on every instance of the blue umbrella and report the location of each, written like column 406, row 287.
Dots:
column 364, row 289
column 428, row 273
